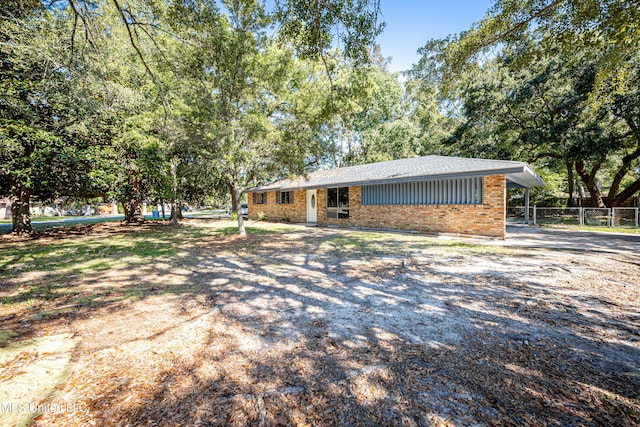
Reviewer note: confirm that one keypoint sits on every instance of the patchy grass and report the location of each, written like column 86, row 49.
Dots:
column 603, row 229
column 288, row 325
column 627, row 230
column 270, row 229
column 207, row 213
column 6, row 335
column 400, row 243
column 47, row 265
column 575, row 226
column 81, row 254
column 41, row 224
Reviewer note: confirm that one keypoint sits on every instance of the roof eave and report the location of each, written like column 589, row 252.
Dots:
column 522, row 175
column 526, row 178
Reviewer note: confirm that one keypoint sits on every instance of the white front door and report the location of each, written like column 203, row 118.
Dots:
column 312, row 206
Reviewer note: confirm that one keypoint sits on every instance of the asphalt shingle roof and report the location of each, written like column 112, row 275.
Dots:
column 519, row 174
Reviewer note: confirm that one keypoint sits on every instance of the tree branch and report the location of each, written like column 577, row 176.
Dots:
column 141, row 56
column 544, row 10
column 626, row 194
column 622, row 172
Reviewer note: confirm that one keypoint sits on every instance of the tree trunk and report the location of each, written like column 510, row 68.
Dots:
column 589, row 180
column 234, row 205
column 174, row 212
column 236, row 195
column 614, row 190
column 174, row 196
column 596, row 196
column 571, row 181
column 625, row 195
column 133, row 209
column 21, row 217
column 125, row 208
column 581, row 192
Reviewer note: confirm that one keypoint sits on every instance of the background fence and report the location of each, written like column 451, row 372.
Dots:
column 603, row 217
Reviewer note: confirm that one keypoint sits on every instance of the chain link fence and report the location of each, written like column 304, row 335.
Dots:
column 596, row 217
column 625, row 217
column 599, row 217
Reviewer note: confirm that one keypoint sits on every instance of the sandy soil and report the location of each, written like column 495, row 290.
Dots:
column 339, row 327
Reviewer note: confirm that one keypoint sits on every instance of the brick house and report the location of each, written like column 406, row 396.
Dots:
column 429, row 194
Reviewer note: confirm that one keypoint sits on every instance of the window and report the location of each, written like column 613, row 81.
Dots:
column 461, row 191
column 338, row 202
column 284, row 197
column 259, row 198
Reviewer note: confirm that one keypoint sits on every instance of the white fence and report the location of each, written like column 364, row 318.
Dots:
column 604, row 217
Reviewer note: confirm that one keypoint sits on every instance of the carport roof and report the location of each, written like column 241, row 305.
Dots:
column 518, row 174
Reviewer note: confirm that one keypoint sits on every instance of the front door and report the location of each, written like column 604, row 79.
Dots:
column 312, row 206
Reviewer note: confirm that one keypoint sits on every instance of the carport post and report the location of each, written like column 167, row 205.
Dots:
column 534, row 214
column 637, row 215
column 526, row 205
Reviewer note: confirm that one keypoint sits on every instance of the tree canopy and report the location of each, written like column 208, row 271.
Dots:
column 129, row 100
column 550, row 82
column 177, row 100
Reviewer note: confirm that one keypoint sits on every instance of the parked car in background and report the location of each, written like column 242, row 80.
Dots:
column 244, row 210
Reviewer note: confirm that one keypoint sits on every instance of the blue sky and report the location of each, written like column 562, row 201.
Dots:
column 411, row 23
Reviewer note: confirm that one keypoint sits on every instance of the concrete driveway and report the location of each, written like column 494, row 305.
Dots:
column 553, row 238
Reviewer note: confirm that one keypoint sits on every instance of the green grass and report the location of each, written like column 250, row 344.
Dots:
column 272, row 229
column 603, row 229
column 83, row 253
column 97, row 269
column 35, row 219
column 54, row 265
column 205, row 213
column 55, row 222
column 368, row 243
column 6, row 335
column 558, row 221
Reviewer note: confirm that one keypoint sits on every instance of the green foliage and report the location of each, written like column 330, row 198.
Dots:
column 607, row 30
column 262, row 216
column 96, row 101
column 314, row 28
column 252, row 110
column 533, row 101
column 6, row 335
column 49, row 116
column 372, row 120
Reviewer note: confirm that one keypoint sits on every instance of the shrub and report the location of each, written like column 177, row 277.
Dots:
column 234, row 216
column 285, row 218
column 262, row 216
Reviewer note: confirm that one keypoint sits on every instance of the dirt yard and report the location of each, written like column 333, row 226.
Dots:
column 193, row 325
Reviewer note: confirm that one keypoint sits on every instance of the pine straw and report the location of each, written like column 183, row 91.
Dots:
column 328, row 327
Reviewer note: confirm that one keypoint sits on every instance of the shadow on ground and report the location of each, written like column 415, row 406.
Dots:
column 196, row 326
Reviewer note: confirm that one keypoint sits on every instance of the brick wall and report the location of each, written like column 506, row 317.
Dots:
column 297, row 212
column 487, row 219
